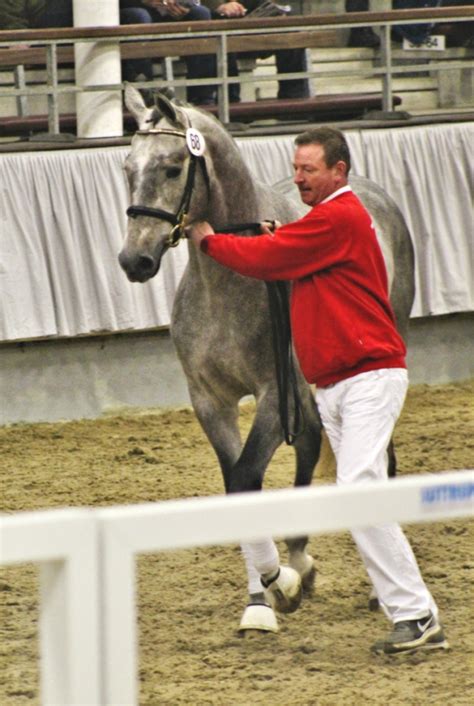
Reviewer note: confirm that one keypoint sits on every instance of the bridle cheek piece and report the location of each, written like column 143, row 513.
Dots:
column 179, row 219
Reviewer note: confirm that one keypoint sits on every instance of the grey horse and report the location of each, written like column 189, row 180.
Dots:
column 220, row 322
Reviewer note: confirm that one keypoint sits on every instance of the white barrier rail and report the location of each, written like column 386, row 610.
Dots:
column 115, row 536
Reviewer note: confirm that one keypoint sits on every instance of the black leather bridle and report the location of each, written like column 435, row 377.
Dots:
column 178, row 219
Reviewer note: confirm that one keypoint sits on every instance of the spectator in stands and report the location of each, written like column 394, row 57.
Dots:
column 35, row 14
column 21, row 14
column 57, row 14
column 287, row 60
column 146, row 11
column 361, row 36
column 458, row 34
column 416, row 34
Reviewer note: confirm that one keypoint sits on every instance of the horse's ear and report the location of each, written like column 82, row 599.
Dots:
column 170, row 111
column 136, row 105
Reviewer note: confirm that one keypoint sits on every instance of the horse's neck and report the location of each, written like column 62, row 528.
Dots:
column 232, row 199
column 233, row 193
column 206, row 274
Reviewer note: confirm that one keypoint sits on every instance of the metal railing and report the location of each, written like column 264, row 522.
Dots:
column 221, row 31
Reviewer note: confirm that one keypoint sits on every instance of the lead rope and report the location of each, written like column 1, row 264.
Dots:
column 284, row 361
column 285, row 367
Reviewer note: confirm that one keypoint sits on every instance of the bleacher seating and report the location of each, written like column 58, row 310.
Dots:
column 341, row 96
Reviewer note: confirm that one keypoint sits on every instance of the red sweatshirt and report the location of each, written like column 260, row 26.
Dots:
column 342, row 321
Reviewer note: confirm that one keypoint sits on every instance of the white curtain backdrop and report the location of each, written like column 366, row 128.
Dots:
column 62, row 221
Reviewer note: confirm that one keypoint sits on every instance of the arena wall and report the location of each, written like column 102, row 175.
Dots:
column 91, row 376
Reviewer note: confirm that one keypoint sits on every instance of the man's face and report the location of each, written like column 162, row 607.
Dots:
column 314, row 179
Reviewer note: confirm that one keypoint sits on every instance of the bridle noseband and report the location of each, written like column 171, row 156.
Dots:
column 178, row 219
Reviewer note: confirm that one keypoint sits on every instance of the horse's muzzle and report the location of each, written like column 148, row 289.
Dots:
column 138, row 268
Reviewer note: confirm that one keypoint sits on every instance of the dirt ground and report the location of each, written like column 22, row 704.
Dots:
column 190, row 602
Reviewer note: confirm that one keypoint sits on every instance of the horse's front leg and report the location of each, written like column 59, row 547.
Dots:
column 264, row 438
column 219, row 421
column 244, row 471
column 269, row 583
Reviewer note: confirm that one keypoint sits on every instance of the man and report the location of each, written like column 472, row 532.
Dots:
column 287, row 60
column 347, row 343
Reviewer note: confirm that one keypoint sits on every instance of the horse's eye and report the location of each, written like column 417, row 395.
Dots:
column 173, row 172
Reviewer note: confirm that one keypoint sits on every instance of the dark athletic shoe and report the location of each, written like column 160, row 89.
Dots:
column 410, row 635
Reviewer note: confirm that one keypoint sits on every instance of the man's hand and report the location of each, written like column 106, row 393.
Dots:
column 269, row 227
column 167, row 7
column 197, row 231
column 231, row 9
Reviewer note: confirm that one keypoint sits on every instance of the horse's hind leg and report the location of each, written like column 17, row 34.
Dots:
column 307, row 449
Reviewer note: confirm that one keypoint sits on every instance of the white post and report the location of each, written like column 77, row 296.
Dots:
column 120, row 637
column 64, row 543
column 99, row 113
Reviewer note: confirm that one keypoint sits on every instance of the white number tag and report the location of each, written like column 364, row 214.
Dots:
column 435, row 42
column 195, row 142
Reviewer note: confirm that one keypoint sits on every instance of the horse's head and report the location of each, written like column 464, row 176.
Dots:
column 167, row 179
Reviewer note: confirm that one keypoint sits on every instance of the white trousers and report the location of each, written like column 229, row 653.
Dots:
column 359, row 415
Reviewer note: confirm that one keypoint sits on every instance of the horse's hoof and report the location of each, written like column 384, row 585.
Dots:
column 285, row 591
column 258, row 616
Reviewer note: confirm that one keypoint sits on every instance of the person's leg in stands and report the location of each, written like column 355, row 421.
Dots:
column 419, row 33
column 290, row 61
column 132, row 68
column 233, row 70
column 200, row 66
column 361, row 36
column 57, row 13
column 226, row 10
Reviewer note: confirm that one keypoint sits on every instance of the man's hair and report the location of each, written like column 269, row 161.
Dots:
column 333, row 142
